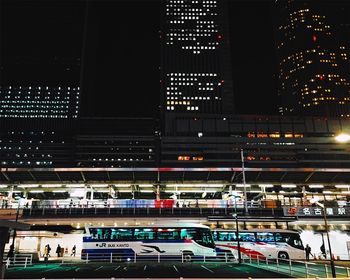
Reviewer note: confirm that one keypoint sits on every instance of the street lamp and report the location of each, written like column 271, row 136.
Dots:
column 237, row 236
column 244, row 184
column 329, row 243
column 342, row 138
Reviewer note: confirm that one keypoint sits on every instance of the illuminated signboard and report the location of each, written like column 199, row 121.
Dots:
column 316, row 211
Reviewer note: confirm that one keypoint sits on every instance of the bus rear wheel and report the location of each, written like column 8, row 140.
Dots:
column 283, row 255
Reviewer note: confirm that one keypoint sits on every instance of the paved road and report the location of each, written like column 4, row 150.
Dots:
column 146, row 270
column 302, row 270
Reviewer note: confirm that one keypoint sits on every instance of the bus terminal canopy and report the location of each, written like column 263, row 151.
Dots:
column 225, row 175
column 14, row 225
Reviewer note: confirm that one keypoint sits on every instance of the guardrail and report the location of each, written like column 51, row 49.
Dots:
column 296, row 268
column 135, row 258
column 19, row 260
column 125, row 212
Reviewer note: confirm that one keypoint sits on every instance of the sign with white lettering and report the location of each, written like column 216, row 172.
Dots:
column 316, row 211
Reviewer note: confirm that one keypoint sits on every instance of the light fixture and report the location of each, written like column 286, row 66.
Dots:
column 266, row 186
column 342, row 138
column 289, row 186
column 342, row 186
column 316, row 186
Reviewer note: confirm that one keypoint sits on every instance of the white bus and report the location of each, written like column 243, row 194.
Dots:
column 261, row 243
column 188, row 241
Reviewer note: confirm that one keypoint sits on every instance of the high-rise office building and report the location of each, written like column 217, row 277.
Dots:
column 195, row 61
column 39, row 102
column 40, row 66
column 312, row 60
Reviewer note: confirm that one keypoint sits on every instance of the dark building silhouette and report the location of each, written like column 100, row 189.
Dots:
column 195, row 59
column 312, row 59
column 40, row 59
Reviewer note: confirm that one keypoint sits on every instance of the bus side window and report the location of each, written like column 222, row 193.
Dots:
column 265, row 237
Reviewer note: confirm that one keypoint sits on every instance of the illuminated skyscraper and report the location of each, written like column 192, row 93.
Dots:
column 313, row 62
column 195, row 62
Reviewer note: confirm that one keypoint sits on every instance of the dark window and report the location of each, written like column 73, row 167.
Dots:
column 265, row 237
column 247, row 236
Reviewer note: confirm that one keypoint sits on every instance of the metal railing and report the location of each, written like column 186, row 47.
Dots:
column 122, row 212
column 19, row 260
column 296, row 268
column 135, row 258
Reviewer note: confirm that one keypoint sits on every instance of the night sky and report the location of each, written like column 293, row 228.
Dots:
column 40, row 39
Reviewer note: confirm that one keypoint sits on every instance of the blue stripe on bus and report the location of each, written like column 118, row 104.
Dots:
column 132, row 241
column 104, row 251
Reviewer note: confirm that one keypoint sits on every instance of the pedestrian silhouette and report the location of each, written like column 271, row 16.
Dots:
column 323, row 251
column 73, row 251
column 58, row 251
column 308, row 252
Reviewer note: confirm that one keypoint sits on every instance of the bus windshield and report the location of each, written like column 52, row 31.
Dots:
column 292, row 239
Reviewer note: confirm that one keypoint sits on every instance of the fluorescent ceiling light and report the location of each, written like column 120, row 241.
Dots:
column 342, row 186
column 36, row 191
column 75, row 185
column 289, row 186
column 27, row 186
column 343, row 138
column 51, row 185
column 265, row 186
column 242, row 186
column 316, row 186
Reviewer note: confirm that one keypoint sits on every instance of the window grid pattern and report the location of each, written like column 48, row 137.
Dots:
column 194, row 75
column 39, row 102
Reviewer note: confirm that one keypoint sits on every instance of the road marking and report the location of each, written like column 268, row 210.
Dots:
column 125, row 268
column 77, row 269
column 98, row 268
column 117, row 267
column 145, row 267
column 51, row 269
column 207, row 269
column 175, row 268
column 241, row 270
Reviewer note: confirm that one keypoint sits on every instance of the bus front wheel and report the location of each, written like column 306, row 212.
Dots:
column 283, row 255
column 187, row 256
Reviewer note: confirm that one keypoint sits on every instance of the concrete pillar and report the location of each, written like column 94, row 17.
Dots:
column 38, row 246
column 10, row 194
column 158, row 193
column 85, row 191
column 92, row 193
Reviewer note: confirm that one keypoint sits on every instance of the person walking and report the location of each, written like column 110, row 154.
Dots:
column 74, row 249
column 47, row 250
column 323, row 251
column 58, row 251
column 308, row 252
